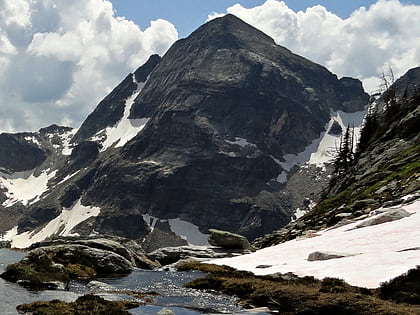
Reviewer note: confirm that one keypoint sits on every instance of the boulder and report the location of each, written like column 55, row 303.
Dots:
column 226, row 239
column 170, row 255
column 173, row 255
column 104, row 262
column 86, row 304
column 52, row 267
column 128, row 249
column 321, row 255
column 388, row 216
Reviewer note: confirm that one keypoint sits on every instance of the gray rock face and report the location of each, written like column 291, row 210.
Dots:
column 226, row 239
column 222, row 102
column 18, row 155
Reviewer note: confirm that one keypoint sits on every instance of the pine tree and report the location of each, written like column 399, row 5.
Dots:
column 345, row 154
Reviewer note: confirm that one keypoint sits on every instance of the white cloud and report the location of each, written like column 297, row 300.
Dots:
column 369, row 41
column 59, row 58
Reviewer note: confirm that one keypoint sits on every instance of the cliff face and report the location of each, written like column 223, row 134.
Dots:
column 206, row 134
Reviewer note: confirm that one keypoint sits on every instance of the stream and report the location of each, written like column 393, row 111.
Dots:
column 180, row 300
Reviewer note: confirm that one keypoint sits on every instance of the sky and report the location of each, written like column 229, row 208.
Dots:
column 59, row 58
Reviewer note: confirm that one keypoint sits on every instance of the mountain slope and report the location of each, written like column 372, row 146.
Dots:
column 386, row 167
column 208, row 134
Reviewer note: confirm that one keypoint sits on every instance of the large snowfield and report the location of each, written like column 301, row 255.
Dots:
column 380, row 252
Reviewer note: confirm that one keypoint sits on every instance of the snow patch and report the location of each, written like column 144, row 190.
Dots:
column 380, row 250
column 324, row 148
column 241, row 142
column 61, row 225
column 9, row 234
column 188, row 231
column 299, row 213
column 33, row 140
column 65, row 140
column 282, row 178
column 125, row 129
column 24, row 187
column 68, row 177
column 181, row 228
column 328, row 144
column 150, row 221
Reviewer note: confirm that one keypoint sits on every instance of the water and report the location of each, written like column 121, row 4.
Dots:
column 174, row 296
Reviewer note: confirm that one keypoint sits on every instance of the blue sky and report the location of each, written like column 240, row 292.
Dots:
column 187, row 15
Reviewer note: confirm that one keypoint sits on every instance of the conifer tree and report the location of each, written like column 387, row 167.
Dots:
column 345, row 154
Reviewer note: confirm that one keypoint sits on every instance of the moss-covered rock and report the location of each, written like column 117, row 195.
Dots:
column 44, row 267
column 84, row 305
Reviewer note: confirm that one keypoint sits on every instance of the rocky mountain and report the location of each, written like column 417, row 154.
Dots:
column 227, row 130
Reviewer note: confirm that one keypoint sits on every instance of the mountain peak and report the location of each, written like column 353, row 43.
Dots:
column 229, row 31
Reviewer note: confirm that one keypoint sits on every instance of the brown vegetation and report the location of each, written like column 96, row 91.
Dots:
column 289, row 294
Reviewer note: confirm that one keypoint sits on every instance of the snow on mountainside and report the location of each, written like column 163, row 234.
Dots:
column 324, row 149
column 375, row 253
column 61, row 226
column 125, row 129
column 329, row 142
column 24, row 187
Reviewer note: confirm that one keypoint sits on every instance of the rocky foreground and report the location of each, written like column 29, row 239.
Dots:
column 52, row 264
